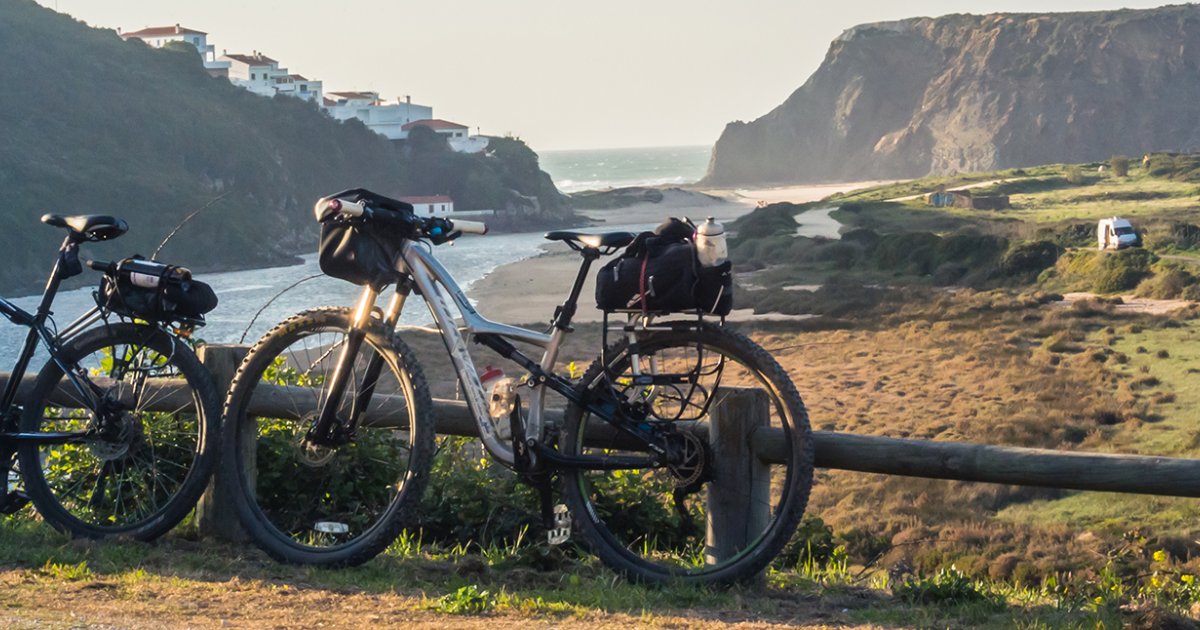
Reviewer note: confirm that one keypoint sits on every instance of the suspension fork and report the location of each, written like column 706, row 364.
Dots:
column 367, row 388
column 323, row 432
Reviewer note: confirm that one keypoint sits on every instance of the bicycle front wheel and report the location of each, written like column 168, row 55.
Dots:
column 331, row 505
column 142, row 414
column 741, row 450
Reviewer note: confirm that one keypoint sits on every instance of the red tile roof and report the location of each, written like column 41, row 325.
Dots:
column 369, row 96
column 252, row 60
column 159, row 31
column 327, row 102
column 433, row 123
column 427, row 199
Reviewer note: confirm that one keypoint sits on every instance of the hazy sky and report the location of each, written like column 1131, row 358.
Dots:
column 561, row 74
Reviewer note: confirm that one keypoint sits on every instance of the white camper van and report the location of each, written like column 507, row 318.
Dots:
column 1115, row 233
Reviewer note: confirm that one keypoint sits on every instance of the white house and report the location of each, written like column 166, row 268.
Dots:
column 255, row 72
column 159, row 36
column 458, row 136
column 385, row 119
column 299, row 87
column 430, row 205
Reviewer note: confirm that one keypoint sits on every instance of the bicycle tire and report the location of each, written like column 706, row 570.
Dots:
column 340, row 525
column 136, row 460
column 604, row 504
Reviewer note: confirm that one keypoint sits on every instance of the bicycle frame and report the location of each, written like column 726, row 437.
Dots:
column 420, row 271
column 36, row 323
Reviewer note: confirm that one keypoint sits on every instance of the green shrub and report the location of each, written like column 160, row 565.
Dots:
column 1074, row 176
column 839, row 254
column 863, row 236
column 1029, row 258
column 1120, row 166
column 947, row 587
column 907, row 252
column 811, row 543
column 970, row 248
column 1167, row 283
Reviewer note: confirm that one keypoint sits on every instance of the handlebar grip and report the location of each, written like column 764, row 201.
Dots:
column 469, row 227
column 327, row 208
column 101, row 266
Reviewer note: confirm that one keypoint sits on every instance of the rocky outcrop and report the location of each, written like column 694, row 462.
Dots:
column 967, row 92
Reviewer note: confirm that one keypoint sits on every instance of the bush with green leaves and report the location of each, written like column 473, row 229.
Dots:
column 1028, row 259
column 947, row 587
column 1120, row 165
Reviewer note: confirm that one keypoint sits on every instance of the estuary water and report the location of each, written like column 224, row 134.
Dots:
column 243, row 294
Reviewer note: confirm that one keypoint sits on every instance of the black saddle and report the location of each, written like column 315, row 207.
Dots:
column 89, row 227
column 583, row 240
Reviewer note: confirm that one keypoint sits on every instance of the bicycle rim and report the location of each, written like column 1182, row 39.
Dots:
column 723, row 513
column 314, row 499
column 146, row 422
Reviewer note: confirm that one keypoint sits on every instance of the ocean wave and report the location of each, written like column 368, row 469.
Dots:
column 571, row 186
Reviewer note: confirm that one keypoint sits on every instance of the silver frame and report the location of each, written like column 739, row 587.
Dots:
column 439, row 290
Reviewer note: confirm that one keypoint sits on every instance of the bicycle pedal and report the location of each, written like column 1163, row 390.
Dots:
column 13, row 502
column 561, row 532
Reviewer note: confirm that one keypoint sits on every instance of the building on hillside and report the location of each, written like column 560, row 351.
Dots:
column 159, row 36
column 385, row 119
column 299, row 87
column 457, row 136
column 430, row 205
column 444, row 127
column 255, row 72
column 964, row 199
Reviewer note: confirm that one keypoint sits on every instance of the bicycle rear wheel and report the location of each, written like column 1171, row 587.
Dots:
column 744, row 459
column 149, row 434
column 310, row 504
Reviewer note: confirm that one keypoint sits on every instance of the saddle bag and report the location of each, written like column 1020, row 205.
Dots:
column 659, row 272
column 154, row 291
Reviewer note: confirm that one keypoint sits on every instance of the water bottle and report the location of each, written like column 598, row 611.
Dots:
column 711, row 249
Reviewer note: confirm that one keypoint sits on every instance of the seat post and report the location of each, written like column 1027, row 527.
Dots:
column 563, row 314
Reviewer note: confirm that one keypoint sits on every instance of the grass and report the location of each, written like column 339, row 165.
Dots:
column 47, row 580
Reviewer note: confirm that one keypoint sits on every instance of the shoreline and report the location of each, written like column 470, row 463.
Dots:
column 528, row 290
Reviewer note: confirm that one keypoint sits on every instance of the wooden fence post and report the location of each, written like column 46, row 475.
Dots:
column 215, row 515
column 739, row 501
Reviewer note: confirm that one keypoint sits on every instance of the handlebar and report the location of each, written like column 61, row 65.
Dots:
column 101, row 266
column 438, row 229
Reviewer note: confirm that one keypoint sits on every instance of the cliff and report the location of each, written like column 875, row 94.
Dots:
column 967, row 92
column 93, row 124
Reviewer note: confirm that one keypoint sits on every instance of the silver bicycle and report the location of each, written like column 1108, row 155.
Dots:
column 330, row 424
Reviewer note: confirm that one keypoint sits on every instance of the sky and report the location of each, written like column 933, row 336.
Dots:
column 560, row 74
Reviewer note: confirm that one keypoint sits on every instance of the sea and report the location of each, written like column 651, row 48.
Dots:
column 596, row 169
column 254, row 300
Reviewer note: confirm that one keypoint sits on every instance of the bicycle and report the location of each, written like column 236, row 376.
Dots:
column 116, row 434
column 312, row 416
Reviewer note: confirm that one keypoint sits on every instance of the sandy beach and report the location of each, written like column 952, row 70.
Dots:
column 526, row 292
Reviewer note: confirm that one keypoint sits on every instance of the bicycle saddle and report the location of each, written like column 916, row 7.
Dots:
column 595, row 241
column 91, row 227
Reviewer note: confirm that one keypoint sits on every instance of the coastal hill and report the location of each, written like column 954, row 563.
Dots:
column 94, row 124
column 968, row 93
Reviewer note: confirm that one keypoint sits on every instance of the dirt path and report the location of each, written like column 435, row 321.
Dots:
column 991, row 182
column 1129, row 303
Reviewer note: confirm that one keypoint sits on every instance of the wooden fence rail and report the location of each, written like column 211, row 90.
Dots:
column 873, row 454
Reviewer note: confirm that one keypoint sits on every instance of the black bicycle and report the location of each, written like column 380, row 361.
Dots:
column 330, row 425
column 117, row 432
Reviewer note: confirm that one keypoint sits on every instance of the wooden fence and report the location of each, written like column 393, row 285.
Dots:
column 742, row 411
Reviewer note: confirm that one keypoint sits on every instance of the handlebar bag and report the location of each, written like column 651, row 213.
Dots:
column 659, row 272
column 364, row 253
column 357, row 253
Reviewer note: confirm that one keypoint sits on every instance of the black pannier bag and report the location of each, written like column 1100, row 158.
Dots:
column 358, row 253
column 659, row 272
column 154, row 291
